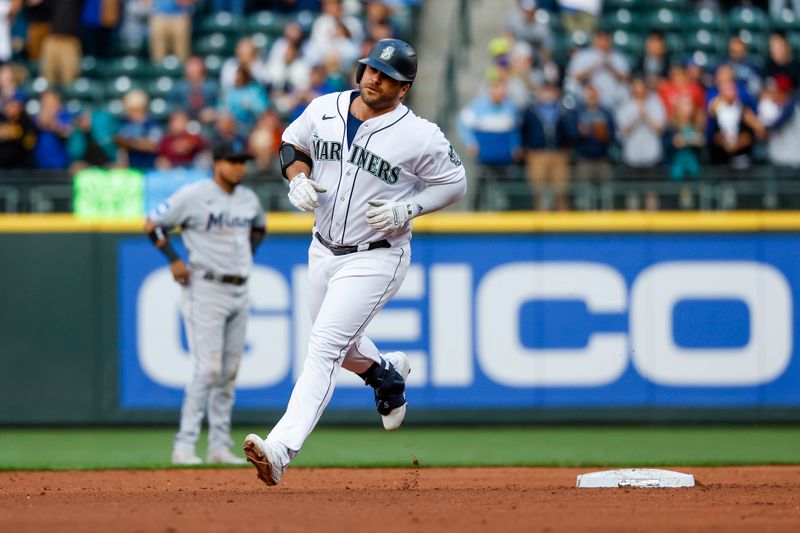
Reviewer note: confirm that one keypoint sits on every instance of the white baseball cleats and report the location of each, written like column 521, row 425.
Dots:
column 224, row 457
column 266, row 458
column 185, row 457
column 396, row 416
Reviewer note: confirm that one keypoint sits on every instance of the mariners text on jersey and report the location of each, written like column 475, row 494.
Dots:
column 359, row 156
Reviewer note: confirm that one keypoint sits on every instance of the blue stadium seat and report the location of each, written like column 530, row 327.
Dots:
column 706, row 18
column 222, row 22
column 621, row 19
column 171, row 66
column 122, row 85
column 161, row 87
column 665, row 19
column 216, row 43
column 706, row 41
column 85, row 89
column 267, row 22
column 132, row 66
column 751, row 18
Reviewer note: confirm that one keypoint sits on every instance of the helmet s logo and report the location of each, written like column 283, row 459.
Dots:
column 387, row 53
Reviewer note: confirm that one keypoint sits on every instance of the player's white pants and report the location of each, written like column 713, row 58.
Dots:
column 347, row 291
column 215, row 315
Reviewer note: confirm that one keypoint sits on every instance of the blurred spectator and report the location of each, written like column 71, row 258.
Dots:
column 379, row 21
column 318, row 85
column 54, row 126
column 61, row 49
column 730, row 128
column 288, row 73
column 231, row 6
column 778, row 112
column 246, row 56
column 592, row 131
column 196, row 93
column 654, row 65
column 135, row 19
column 601, row 67
column 8, row 10
column 641, row 122
column 139, row 136
column 92, row 141
column 489, row 127
column 333, row 24
column 526, row 74
column 179, row 147
column 38, row 13
column 678, row 87
column 100, row 19
column 264, row 143
column 744, row 70
column 245, row 101
column 337, row 79
column 170, row 28
column 777, row 6
column 225, row 130
column 546, row 143
column 580, row 15
column 781, row 62
column 725, row 76
column 686, row 139
column 292, row 33
column 525, row 26
column 17, row 135
column 9, row 89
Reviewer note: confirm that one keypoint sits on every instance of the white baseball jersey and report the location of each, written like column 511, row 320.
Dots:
column 215, row 225
column 392, row 157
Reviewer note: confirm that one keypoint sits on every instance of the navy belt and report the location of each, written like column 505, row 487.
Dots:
column 225, row 278
column 340, row 249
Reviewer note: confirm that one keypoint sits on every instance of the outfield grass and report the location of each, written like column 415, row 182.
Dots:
column 59, row 449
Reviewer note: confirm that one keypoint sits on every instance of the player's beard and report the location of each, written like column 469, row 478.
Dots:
column 378, row 100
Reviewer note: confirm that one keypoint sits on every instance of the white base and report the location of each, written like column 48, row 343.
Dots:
column 635, row 477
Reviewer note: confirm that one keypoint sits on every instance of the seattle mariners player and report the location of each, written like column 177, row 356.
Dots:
column 222, row 224
column 365, row 165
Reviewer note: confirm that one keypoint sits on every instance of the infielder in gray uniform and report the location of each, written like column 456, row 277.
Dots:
column 222, row 223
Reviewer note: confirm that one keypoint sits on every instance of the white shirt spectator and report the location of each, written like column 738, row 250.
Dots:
column 610, row 90
column 227, row 76
column 5, row 30
column 289, row 72
column 640, row 126
column 326, row 28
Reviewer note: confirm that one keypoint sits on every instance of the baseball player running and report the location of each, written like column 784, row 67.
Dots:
column 222, row 224
column 365, row 165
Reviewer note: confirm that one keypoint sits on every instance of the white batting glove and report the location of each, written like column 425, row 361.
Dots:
column 388, row 216
column 303, row 192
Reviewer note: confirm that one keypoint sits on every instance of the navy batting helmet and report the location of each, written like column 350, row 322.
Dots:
column 395, row 58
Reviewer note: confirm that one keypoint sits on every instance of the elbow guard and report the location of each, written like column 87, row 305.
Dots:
column 289, row 154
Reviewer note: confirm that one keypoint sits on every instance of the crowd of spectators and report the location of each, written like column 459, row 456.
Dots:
column 606, row 114
column 251, row 97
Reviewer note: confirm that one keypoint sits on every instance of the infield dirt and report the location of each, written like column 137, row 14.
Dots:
column 404, row 500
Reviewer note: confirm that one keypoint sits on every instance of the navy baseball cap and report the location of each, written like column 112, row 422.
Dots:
column 232, row 151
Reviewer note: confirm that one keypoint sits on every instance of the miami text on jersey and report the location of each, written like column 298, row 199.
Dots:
column 225, row 220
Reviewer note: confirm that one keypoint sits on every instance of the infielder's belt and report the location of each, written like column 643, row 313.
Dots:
column 340, row 249
column 225, row 278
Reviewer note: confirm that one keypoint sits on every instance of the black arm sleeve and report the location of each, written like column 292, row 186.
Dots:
column 256, row 236
column 159, row 237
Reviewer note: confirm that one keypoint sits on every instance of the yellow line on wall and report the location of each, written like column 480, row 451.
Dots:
column 458, row 222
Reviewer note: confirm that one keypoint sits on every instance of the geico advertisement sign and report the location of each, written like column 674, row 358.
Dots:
column 474, row 325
